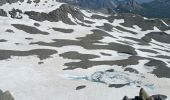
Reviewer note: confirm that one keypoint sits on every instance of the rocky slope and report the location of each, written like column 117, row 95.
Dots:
column 147, row 8
column 50, row 50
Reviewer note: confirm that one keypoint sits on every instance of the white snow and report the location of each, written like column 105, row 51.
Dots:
column 28, row 80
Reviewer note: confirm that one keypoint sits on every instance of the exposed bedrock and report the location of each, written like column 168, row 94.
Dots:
column 60, row 14
column 161, row 69
column 3, row 13
column 76, row 55
column 86, row 63
column 29, row 29
column 158, row 36
column 40, row 53
column 133, row 19
column 88, row 42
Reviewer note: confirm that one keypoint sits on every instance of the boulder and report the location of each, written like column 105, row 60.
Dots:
column 3, row 13
column 143, row 95
column 6, row 96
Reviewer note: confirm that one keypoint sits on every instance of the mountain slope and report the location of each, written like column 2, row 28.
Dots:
column 50, row 50
column 147, row 8
column 157, row 8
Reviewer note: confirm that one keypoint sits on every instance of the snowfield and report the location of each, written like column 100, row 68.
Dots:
column 51, row 58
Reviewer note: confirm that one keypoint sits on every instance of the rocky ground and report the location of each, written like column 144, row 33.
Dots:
column 143, row 95
column 52, row 50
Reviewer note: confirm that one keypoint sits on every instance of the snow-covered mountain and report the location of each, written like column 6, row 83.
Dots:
column 113, row 5
column 55, row 51
column 147, row 8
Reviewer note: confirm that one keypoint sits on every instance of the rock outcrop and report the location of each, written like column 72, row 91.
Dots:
column 3, row 13
column 143, row 95
column 60, row 14
column 6, row 95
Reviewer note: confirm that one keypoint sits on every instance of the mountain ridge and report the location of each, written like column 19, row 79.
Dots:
column 151, row 8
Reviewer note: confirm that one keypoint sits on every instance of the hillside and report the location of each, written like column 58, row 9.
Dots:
column 56, row 51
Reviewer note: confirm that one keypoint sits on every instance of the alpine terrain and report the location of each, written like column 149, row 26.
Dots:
column 53, row 50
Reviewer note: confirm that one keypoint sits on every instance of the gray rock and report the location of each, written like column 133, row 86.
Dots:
column 158, row 36
column 1, row 92
column 159, row 97
column 3, row 13
column 143, row 95
column 9, row 31
column 16, row 13
column 36, row 24
column 6, row 96
column 60, row 14
column 29, row 29
column 162, row 70
column 41, row 53
column 80, row 87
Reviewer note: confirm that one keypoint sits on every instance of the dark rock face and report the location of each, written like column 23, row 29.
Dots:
column 133, row 60
column 148, row 8
column 41, row 53
column 29, row 29
column 6, row 95
column 106, row 5
column 60, row 14
column 76, row 55
column 133, row 19
column 3, row 13
column 92, row 4
column 130, row 6
column 159, row 36
column 156, row 8
column 162, row 70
